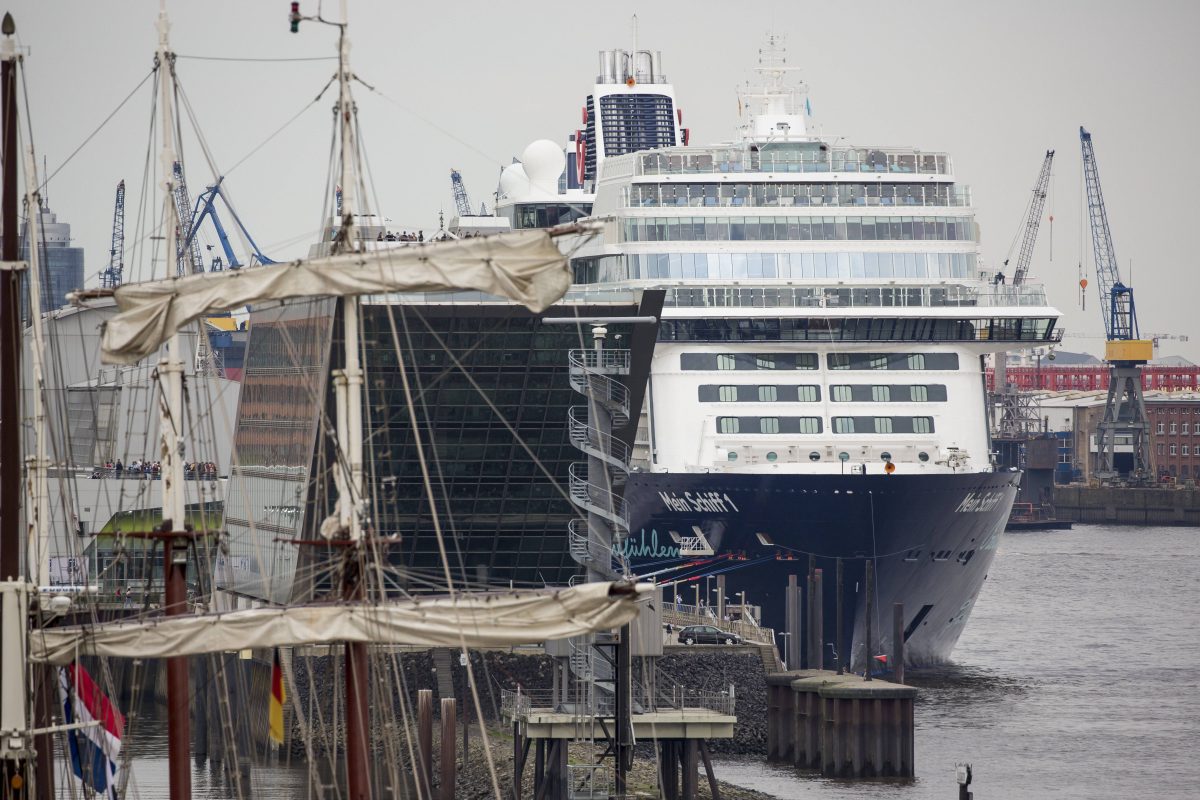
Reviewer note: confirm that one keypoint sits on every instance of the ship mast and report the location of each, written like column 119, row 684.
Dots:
column 16, row 747
column 170, row 405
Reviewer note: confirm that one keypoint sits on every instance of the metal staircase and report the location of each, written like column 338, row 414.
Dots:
column 593, row 374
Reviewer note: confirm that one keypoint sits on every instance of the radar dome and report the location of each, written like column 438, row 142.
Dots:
column 513, row 181
column 544, row 162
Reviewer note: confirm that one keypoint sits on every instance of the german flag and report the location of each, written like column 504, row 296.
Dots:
column 278, row 696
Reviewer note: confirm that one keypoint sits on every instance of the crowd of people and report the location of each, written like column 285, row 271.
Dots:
column 388, row 236
column 139, row 468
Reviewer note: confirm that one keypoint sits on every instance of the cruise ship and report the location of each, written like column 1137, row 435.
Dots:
column 816, row 391
column 795, row 330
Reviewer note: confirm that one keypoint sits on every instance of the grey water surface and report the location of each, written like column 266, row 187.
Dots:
column 1076, row 677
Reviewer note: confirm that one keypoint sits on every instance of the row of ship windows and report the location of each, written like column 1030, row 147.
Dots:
column 858, row 329
column 768, row 425
column 717, row 229
column 725, row 194
column 809, row 361
column 858, row 393
column 733, row 266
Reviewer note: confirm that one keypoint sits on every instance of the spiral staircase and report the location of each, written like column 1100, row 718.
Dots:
column 593, row 484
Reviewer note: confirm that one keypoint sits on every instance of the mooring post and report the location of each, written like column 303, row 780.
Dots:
column 721, row 597
column 425, row 739
column 869, row 587
column 817, row 660
column 449, row 764
column 898, row 642
column 807, row 658
column 792, row 622
column 841, row 653
column 518, row 763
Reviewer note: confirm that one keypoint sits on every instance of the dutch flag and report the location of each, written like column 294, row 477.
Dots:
column 94, row 748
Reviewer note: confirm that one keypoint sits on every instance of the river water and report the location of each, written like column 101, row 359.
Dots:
column 1076, row 677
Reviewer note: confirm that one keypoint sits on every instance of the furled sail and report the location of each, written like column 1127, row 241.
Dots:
column 523, row 266
column 478, row 620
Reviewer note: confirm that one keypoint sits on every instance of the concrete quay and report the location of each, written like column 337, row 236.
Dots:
column 1128, row 505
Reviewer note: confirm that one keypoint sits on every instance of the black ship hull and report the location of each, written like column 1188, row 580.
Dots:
column 932, row 539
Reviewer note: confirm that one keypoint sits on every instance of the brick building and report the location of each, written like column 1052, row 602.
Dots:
column 1174, row 431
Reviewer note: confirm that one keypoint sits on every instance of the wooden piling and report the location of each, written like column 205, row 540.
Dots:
column 898, row 642
column 691, row 770
column 869, row 586
column 809, row 657
column 449, row 764
column 792, row 622
column 817, row 659
column 425, row 740
column 838, row 643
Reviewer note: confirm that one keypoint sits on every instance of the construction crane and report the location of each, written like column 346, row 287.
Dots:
column 1033, row 221
column 461, row 201
column 206, row 207
column 1124, row 422
column 111, row 277
column 190, row 257
column 1017, row 416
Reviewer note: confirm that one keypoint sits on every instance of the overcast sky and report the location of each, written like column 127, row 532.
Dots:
column 468, row 85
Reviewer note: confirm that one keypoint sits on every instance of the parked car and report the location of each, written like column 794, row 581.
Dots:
column 707, row 634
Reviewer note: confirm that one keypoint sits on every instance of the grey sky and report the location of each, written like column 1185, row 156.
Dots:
column 469, row 85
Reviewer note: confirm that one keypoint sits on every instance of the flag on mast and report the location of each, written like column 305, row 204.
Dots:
column 278, row 696
column 96, row 746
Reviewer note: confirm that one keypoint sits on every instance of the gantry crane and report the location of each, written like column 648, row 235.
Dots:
column 1124, row 424
column 1017, row 415
column 111, row 277
column 461, row 201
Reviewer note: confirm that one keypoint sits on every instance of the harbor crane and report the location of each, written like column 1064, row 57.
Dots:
column 206, row 208
column 1124, row 426
column 461, row 201
column 111, row 277
column 1017, row 416
column 190, row 258
column 1033, row 221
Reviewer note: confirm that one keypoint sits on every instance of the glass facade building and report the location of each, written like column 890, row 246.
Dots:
column 490, row 394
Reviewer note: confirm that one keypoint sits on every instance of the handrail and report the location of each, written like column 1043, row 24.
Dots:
column 595, row 442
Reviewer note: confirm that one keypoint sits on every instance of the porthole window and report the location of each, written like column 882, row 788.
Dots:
column 772, row 456
column 923, row 456
column 814, row 456
column 732, row 456
column 885, row 456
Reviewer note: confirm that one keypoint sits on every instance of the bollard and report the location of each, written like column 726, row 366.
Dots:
column 425, row 740
column 898, row 642
column 448, row 778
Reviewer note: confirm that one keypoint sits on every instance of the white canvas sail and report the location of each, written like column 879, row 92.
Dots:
column 523, row 266
column 476, row 620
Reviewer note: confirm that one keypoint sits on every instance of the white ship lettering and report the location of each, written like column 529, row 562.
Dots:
column 699, row 502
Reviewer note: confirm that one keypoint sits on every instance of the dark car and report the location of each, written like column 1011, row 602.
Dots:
column 707, row 634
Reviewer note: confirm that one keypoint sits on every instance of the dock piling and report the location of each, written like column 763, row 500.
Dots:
column 841, row 653
column 869, row 587
column 448, row 777
column 425, row 739
column 817, row 658
column 898, row 642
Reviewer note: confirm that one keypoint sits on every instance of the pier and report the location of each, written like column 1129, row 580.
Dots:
column 842, row 725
